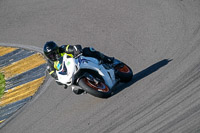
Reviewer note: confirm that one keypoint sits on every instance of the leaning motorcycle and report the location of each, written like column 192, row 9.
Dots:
column 93, row 76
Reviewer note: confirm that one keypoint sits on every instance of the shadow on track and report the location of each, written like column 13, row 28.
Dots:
column 140, row 75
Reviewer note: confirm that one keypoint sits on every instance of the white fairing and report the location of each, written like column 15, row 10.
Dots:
column 67, row 77
column 73, row 65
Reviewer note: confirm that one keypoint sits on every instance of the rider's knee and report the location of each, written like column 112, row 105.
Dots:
column 77, row 91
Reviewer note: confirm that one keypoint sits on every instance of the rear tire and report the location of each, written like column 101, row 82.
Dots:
column 124, row 72
column 100, row 90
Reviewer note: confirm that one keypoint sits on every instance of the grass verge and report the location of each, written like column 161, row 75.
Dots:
column 2, row 84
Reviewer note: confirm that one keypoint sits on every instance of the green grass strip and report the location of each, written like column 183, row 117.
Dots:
column 2, row 84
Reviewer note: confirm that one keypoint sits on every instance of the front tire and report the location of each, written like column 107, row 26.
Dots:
column 99, row 89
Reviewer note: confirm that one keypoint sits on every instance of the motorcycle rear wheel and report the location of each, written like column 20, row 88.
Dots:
column 99, row 89
column 124, row 72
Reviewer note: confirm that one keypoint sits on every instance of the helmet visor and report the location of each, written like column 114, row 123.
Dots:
column 53, row 55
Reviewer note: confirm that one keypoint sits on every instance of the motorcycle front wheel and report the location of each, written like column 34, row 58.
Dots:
column 97, row 89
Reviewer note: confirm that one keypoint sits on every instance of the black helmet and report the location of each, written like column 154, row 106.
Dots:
column 51, row 50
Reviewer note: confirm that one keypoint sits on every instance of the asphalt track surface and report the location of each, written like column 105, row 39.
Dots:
column 158, row 39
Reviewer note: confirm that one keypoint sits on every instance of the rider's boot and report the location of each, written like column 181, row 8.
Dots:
column 106, row 59
column 91, row 52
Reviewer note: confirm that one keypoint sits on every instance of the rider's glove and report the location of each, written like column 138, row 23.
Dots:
column 52, row 72
column 77, row 50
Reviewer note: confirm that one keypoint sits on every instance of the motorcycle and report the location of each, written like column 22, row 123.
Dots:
column 93, row 76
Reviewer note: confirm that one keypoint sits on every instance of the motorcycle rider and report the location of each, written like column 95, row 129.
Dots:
column 53, row 52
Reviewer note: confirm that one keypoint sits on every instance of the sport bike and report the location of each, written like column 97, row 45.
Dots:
column 93, row 76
